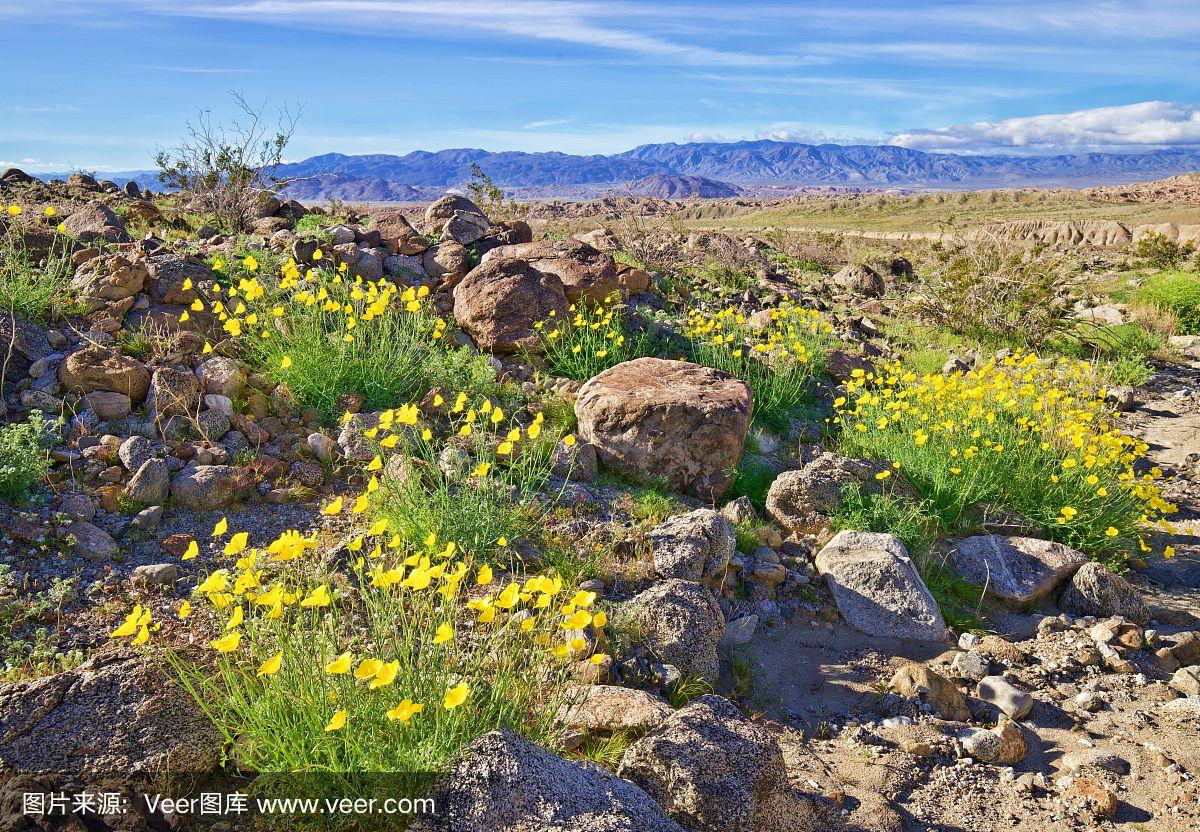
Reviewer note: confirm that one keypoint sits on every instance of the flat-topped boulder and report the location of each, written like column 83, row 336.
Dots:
column 584, row 271
column 672, row 421
column 1017, row 571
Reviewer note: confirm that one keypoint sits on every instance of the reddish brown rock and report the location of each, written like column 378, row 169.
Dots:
column 584, row 271
column 100, row 368
column 500, row 301
column 670, row 420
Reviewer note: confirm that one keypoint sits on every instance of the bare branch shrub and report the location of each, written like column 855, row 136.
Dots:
column 226, row 168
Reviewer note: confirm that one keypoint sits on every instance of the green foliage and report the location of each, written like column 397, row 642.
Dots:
column 1160, row 251
column 23, row 455
column 33, row 287
column 752, row 479
column 777, row 360
column 594, row 339
column 1177, row 293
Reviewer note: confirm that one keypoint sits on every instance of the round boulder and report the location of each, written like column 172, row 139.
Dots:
column 499, row 302
column 671, row 420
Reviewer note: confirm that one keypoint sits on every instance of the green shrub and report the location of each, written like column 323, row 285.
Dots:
column 23, row 456
column 1162, row 252
column 1023, row 435
column 752, row 480
column 1177, row 293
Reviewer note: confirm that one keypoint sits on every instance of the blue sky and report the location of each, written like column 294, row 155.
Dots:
column 99, row 85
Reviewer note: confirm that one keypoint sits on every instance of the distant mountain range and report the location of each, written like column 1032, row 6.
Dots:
column 707, row 169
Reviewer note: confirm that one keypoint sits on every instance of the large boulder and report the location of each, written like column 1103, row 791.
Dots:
column 667, row 420
column 695, row 547
column 681, row 622
column 584, row 271
column 802, row 500
column 448, row 262
column 1017, row 571
column 118, row 713
column 170, row 273
column 1094, row 590
column 503, row 783
column 397, row 233
column 104, row 279
column 101, row 368
column 95, row 221
column 208, row 487
column 860, row 280
column 714, row 770
column 877, row 587
column 499, row 302
column 454, row 217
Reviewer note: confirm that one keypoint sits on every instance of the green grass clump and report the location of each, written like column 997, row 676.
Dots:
column 1174, row 292
column 38, row 288
column 1029, row 436
column 23, row 456
column 777, row 359
column 591, row 341
column 752, row 480
column 481, row 488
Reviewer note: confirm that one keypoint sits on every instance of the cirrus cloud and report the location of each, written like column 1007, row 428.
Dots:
column 1143, row 125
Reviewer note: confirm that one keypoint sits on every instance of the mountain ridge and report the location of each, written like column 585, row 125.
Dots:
column 700, row 168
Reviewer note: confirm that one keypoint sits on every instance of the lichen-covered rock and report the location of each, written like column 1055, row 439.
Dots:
column 667, row 420
column 499, row 302
column 584, row 271
column 92, row 542
column 151, row 485
column 695, row 547
column 109, row 278
column 221, row 376
column 173, row 392
column 1094, row 590
column 608, row 708
column 712, row 769
column 1016, row 570
column 503, row 783
column 101, row 368
column 681, row 622
column 877, row 587
column 118, row 713
column 802, row 500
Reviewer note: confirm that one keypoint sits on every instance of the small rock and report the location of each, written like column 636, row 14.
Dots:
column 1004, row 695
column 156, row 574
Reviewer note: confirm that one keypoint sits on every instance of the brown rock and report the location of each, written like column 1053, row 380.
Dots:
column 943, row 698
column 100, row 368
column 584, row 271
column 803, row 500
column 668, row 420
column 499, row 302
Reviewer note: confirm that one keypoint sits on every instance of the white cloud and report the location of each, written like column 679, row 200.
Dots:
column 546, row 122
column 1144, row 125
